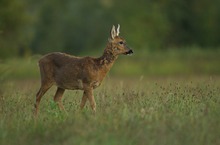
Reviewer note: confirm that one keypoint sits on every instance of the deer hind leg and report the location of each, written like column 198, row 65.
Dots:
column 39, row 95
column 58, row 98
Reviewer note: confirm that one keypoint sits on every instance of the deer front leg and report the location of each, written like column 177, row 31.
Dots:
column 89, row 94
column 83, row 102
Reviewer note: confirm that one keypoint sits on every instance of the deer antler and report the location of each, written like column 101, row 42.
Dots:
column 113, row 33
column 118, row 30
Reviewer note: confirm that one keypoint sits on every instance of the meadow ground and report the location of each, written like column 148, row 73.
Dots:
column 140, row 110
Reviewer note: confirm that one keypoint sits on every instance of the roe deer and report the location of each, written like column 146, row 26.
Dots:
column 79, row 73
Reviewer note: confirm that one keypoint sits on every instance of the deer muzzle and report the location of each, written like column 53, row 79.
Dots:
column 130, row 51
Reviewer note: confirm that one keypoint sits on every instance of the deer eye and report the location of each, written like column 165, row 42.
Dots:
column 121, row 42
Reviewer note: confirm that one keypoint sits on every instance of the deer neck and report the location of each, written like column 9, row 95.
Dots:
column 107, row 59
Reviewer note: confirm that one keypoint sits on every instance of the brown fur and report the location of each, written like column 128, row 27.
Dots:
column 78, row 73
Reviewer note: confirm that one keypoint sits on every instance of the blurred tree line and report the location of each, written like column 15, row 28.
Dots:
column 75, row 26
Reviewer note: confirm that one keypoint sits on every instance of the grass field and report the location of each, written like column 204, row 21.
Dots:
column 130, row 111
column 151, row 98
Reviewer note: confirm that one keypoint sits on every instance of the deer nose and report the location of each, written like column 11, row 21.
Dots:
column 130, row 51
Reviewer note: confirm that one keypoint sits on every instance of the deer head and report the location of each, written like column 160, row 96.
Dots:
column 118, row 44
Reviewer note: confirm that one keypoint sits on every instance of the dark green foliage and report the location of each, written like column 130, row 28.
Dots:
column 79, row 26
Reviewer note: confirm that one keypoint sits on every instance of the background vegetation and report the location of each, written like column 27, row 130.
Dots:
column 30, row 27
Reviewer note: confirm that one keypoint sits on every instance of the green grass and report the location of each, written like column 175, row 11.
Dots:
column 138, row 110
column 164, row 98
column 169, row 62
column 149, row 63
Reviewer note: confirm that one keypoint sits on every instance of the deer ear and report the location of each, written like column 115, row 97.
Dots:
column 118, row 30
column 113, row 32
